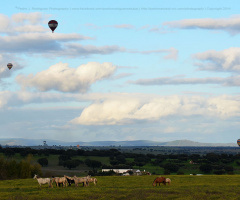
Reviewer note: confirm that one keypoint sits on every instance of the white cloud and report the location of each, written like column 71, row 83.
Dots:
column 26, row 99
column 171, row 53
column 37, row 42
column 231, row 25
column 149, row 28
column 129, row 110
column 118, row 26
column 30, row 28
column 57, row 44
column 228, row 81
column 4, row 71
column 23, row 98
column 26, row 34
column 33, row 18
column 4, row 23
column 92, row 26
column 119, row 114
column 61, row 77
column 170, row 130
column 4, row 98
column 74, row 49
column 224, row 107
column 225, row 60
column 22, row 22
column 9, row 58
column 124, row 26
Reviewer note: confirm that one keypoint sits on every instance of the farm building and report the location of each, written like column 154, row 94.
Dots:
column 119, row 171
column 138, row 172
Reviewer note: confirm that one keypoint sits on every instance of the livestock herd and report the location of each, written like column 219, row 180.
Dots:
column 66, row 181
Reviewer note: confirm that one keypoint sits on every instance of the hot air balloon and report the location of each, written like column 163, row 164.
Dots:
column 52, row 25
column 238, row 142
column 9, row 65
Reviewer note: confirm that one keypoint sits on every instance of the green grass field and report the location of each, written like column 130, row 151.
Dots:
column 132, row 187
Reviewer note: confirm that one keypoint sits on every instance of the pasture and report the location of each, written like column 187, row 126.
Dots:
column 131, row 187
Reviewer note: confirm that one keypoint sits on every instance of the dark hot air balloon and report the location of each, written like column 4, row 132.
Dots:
column 52, row 25
column 9, row 65
column 238, row 142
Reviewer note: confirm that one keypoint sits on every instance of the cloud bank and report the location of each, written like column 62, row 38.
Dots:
column 225, row 60
column 22, row 23
column 171, row 53
column 61, row 77
column 131, row 110
column 228, row 81
column 230, row 25
column 9, row 58
column 22, row 35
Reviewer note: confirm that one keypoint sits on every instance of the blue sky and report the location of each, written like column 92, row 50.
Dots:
column 122, row 70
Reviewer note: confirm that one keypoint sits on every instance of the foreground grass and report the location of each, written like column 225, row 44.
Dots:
column 134, row 187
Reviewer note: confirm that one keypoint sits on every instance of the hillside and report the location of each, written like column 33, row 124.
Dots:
column 37, row 142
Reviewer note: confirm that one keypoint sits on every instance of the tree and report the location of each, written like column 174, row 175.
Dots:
column 43, row 161
column 25, row 169
column 71, row 164
column 24, row 153
column 63, row 158
column 212, row 157
column 157, row 161
column 205, row 168
column 71, row 152
column 93, row 163
column 228, row 168
column 219, row 172
column 166, row 172
column 10, row 169
column 171, row 167
column 195, row 157
column 121, row 159
column 9, row 152
column 113, row 162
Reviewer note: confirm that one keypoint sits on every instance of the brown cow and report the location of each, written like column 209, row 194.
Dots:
column 159, row 180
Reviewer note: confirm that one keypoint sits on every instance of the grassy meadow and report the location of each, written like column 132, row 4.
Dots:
column 129, row 187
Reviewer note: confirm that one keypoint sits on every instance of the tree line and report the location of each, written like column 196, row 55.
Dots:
column 10, row 169
column 171, row 163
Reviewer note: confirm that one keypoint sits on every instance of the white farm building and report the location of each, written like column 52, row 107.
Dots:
column 119, row 171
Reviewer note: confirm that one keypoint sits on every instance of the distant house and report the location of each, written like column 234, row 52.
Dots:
column 192, row 163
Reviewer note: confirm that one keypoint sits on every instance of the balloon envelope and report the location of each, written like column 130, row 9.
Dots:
column 238, row 142
column 53, row 25
column 9, row 65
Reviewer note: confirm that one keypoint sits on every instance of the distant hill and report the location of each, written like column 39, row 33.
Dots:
column 37, row 142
